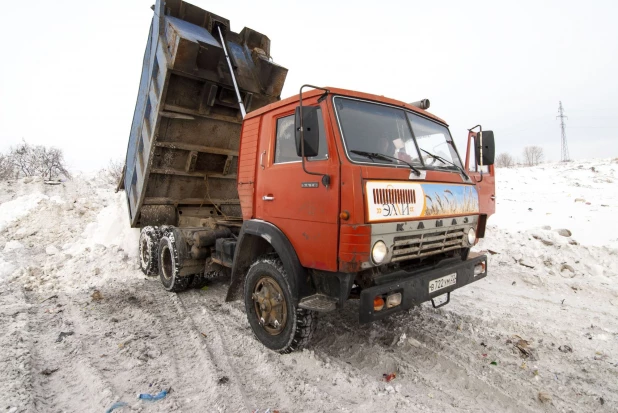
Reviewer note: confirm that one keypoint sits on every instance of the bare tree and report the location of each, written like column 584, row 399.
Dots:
column 23, row 159
column 6, row 168
column 112, row 173
column 51, row 162
column 505, row 160
column 533, row 155
column 36, row 160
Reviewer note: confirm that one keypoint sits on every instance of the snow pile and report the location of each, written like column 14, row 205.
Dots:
column 6, row 268
column 111, row 227
column 580, row 196
column 12, row 246
column 18, row 208
column 546, row 254
column 69, row 237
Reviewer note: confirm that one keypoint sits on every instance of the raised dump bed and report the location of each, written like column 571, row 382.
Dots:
column 183, row 149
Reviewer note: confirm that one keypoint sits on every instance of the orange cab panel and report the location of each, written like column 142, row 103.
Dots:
column 298, row 203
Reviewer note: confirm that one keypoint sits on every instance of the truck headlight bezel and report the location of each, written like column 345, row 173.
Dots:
column 471, row 237
column 379, row 251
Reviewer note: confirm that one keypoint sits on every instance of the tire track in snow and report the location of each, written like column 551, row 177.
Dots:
column 444, row 373
column 261, row 386
column 77, row 382
column 16, row 342
column 200, row 367
column 290, row 381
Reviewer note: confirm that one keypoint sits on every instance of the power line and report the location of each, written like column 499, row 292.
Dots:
column 564, row 157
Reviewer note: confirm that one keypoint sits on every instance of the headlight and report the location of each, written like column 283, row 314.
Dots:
column 471, row 236
column 378, row 252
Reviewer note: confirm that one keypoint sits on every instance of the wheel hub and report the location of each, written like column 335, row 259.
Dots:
column 270, row 305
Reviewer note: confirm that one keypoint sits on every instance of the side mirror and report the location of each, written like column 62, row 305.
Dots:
column 311, row 131
column 489, row 147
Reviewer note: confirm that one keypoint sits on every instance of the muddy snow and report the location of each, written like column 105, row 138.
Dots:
column 81, row 328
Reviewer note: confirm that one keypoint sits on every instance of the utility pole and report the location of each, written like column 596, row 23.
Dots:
column 564, row 156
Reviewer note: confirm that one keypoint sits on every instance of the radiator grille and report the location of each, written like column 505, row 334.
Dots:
column 394, row 196
column 429, row 243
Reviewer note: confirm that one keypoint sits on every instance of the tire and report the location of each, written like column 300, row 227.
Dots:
column 198, row 281
column 286, row 327
column 148, row 249
column 169, row 264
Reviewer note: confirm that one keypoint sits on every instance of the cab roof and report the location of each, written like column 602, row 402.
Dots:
column 343, row 92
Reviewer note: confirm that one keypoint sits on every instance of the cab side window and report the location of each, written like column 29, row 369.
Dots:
column 285, row 145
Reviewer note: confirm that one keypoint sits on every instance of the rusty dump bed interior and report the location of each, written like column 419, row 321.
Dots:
column 183, row 148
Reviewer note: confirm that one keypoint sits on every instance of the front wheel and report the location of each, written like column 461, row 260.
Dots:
column 273, row 317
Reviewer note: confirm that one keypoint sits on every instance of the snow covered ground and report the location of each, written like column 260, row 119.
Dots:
column 82, row 328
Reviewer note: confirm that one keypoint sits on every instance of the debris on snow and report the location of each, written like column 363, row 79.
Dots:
column 389, row 377
column 566, row 267
column 525, row 263
column 414, row 342
column 153, row 397
column 564, row 232
column 544, row 397
column 115, row 406
column 62, row 335
column 523, row 347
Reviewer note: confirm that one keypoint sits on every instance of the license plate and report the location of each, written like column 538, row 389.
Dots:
column 443, row 282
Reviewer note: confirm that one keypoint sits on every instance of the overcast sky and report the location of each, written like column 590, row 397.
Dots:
column 69, row 70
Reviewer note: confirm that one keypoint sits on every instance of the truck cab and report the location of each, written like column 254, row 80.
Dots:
column 304, row 202
column 382, row 208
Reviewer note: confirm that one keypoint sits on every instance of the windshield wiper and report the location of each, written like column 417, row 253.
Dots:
column 374, row 155
column 446, row 161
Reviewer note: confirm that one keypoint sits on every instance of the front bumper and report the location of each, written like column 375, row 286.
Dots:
column 415, row 288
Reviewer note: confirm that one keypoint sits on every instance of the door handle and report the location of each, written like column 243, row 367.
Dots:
column 268, row 198
column 493, row 197
column 262, row 159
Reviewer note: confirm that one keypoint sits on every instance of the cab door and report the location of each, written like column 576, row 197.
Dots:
column 484, row 178
column 299, row 204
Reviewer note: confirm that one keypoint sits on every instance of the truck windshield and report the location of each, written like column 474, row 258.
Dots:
column 375, row 128
column 433, row 139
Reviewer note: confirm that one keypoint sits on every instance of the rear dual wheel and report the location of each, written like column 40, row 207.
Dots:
column 148, row 248
column 274, row 319
column 169, row 264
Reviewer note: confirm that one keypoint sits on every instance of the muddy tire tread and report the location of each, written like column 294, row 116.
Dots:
column 154, row 237
column 305, row 321
column 178, row 284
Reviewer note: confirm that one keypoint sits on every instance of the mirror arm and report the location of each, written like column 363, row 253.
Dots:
column 481, row 148
column 325, row 177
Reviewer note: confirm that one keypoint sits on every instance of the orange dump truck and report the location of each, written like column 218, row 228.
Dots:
column 304, row 202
